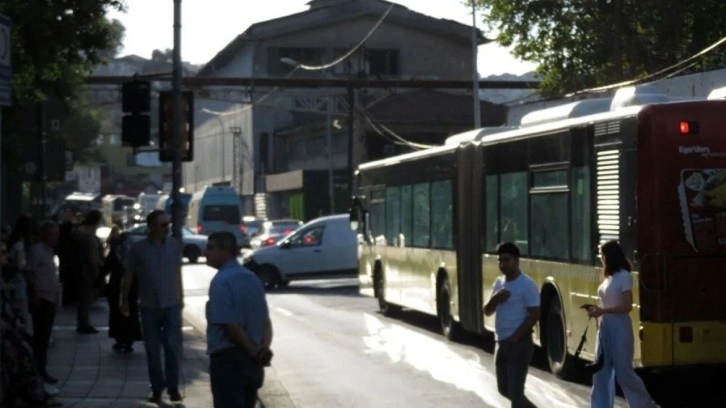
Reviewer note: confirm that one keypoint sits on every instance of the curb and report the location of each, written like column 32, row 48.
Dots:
column 273, row 393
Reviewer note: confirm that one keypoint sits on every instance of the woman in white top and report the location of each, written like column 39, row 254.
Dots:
column 615, row 337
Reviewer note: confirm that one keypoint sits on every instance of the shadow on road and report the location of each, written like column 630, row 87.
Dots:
column 686, row 388
column 319, row 288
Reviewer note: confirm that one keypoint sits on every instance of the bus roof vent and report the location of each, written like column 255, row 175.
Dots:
column 476, row 134
column 567, row 111
column 636, row 96
column 718, row 93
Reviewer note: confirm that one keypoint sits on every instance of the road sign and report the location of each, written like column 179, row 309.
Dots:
column 5, row 64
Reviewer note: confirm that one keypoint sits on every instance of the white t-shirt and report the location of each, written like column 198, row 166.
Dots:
column 611, row 289
column 523, row 294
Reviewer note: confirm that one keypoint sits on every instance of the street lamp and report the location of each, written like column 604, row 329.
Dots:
column 222, row 166
column 237, row 179
column 329, row 134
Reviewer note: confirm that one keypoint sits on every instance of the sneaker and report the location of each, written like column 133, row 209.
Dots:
column 51, row 390
column 86, row 330
column 155, row 397
column 175, row 395
column 49, row 379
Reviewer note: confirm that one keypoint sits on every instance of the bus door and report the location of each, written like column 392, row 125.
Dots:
column 468, row 242
column 682, row 232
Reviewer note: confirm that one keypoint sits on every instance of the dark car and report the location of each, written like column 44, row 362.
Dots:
column 273, row 231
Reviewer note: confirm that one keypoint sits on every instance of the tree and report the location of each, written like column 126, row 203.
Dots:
column 165, row 56
column 584, row 43
column 55, row 45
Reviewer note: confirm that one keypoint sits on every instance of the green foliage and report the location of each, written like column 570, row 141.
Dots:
column 585, row 43
column 55, row 45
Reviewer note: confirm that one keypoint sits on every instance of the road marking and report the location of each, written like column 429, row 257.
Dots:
column 283, row 312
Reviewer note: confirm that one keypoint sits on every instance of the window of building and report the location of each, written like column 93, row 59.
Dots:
column 514, row 222
column 581, row 215
column 382, row 62
column 421, row 215
column 393, row 215
column 301, row 55
column 441, row 215
column 406, row 215
column 491, row 201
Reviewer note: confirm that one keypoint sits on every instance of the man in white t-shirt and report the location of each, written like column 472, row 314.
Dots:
column 515, row 300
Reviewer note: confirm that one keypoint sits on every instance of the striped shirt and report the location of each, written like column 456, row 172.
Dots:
column 157, row 268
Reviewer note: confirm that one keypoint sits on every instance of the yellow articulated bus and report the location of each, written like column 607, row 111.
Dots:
column 651, row 176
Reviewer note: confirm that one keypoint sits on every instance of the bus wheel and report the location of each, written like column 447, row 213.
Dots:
column 270, row 276
column 449, row 327
column 561, row 363
column 386, row 308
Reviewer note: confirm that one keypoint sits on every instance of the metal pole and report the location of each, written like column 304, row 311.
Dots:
column 41, row 165
column 176, row 181
column 222, row 168
column 351, row 136
column 474, row 67
column 331, row 181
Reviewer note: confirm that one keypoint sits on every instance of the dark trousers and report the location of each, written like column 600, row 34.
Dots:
column 43, row 317
column 511, row 360
column 86, row 297
column 235, row 379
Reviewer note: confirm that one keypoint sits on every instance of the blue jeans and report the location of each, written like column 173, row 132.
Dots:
column 235, row 378
column 162, row 327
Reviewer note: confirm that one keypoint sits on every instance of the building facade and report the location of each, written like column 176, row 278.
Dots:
column 252, row 137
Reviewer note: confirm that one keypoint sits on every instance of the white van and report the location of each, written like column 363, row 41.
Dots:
column 323, row 248
column 217, row 208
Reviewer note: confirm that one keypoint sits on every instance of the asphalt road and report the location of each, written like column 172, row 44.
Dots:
column 333, row 349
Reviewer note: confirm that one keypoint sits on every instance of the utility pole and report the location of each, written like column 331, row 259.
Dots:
column 329, row 133
column 176, row 128
column 351, row 137
column 475, row 68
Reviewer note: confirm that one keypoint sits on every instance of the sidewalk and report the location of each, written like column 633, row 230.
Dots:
column 92, row 375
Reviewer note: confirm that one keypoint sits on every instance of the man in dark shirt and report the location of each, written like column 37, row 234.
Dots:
column 239, row 331
column 156, row 263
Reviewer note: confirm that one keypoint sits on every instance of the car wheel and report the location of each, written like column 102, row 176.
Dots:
column 270, row 276
column 192, row 253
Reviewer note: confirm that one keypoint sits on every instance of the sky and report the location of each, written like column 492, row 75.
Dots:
column 209, row 25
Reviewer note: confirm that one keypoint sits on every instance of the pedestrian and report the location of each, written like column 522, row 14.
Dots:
column 615, row 335
column 156, row 263
column 124, row 329
column 239, row 330
column 21, row 292
column 88, row 248
column 515, row 300
column 44, row 275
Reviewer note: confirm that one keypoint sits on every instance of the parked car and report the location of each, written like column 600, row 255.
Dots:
column 194, row 244
column 273, row 231
column 252, row 226
column 325, row 247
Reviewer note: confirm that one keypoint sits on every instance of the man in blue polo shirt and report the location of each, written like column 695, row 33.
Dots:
column 239, row 331
column 515, row 300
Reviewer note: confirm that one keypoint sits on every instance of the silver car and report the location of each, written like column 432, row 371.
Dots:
column 194, row 244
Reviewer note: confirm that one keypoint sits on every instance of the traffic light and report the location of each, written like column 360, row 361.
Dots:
column 136, row 104
column 166, row 118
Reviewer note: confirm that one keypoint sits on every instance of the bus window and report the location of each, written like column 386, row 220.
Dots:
column 514, row 222
column 421, row 215
column 581, row 214
column 441, row 231
column 491, row 201
column 406, row 214
column 393, row 215
column 549, row 228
